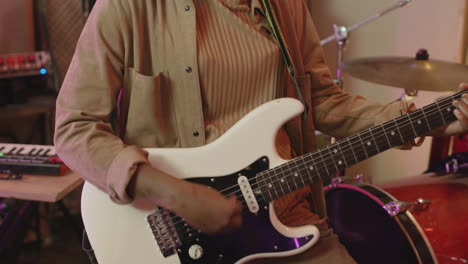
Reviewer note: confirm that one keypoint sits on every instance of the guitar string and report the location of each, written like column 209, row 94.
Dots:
column 302, row 157
column 438, row 105
column 363, row 137
column 188, row 231
column 285, row 172
column 382, row 137
column 327, row 156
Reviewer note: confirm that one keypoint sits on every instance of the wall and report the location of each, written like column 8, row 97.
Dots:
column 17, row 35
column 16, row 26
column 432, row 24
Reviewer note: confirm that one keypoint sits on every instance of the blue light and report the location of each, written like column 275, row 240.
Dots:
column 43, row 71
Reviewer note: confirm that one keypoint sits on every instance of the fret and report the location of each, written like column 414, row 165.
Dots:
column 293, row 173
column 428, row 120
column 271, row 185
column 433, row 114
column 324, row 163
column 303, row 172
column 319, row 164
column 343, row 155
column 419, row 122
column 368, row 142
column 312, row 168
column 393, row 133
column 283, row 178
column 376, row 144
column 284, row 181
column 356, row 160
column 280, row 179
column 358, row 148
column 386, row 136
column 333, row 161
column 406, row 130
column 263, row 185
column 380, row 138
column 440, row 112
column 337, row 161
column 412, row 125
column 429, row 125
column 447, row 113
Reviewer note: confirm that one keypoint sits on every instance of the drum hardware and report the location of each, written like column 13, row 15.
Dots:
column 357, row 179
column 398, row 207
column 340, row 34
column 410, row 73
column 360, row 178
column 451, row 166
column 409, row 94
column 335, row 181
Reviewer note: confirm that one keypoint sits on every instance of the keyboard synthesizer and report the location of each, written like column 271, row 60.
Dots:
column 30, row 159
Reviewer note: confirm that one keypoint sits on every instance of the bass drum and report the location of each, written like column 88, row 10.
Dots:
column 435, row 234
column 367, row 230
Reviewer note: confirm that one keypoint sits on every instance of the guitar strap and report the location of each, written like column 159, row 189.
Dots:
column 317, row 198
column 273, row 21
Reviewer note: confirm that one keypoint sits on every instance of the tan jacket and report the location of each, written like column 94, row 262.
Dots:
column 139, row 57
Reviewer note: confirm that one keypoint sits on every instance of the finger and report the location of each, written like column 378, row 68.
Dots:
column 462, row 118
column 236, row 221
column 235, row 217
column 463, row 86
column 462, row 105
column 235, row 204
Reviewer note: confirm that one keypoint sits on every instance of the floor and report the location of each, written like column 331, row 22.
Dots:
column 62, row 245
column 60, row 240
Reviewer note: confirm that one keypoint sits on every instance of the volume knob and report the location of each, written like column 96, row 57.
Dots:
column 195, row 252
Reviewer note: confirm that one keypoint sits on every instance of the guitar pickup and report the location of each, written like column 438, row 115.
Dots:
column 248, row 194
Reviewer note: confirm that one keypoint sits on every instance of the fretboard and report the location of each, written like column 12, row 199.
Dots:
column 320, row 165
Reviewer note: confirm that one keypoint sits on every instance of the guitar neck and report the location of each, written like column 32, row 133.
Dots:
column 320, row 165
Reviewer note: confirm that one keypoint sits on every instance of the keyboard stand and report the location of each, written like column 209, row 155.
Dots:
column 43, row 188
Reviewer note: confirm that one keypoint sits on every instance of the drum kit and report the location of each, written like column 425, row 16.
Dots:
column 422, row 219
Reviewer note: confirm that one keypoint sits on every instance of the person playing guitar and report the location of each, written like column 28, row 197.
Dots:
column 156, row 75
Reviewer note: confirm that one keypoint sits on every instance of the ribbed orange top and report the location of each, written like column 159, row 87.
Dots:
column 239, row 65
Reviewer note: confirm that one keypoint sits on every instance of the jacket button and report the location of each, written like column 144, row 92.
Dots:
column 187, row 8
column 188, row 69
column 195, row 133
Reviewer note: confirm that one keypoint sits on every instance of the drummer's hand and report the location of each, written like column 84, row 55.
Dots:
column 461, row 125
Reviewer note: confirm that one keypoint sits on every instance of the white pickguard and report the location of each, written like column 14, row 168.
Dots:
column 120, row 234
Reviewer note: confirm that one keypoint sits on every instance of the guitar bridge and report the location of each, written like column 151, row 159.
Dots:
column 164, row 231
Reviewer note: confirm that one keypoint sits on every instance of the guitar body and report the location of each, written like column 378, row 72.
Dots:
column 138, row 233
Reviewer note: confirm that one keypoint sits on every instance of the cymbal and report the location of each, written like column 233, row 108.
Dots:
column 409, row 73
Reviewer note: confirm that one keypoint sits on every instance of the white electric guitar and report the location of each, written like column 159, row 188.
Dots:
column 242, row 162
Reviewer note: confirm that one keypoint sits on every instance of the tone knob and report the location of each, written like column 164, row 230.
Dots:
column 195, row 252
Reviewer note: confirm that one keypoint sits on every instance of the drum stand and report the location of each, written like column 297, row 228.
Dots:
column 340, row 34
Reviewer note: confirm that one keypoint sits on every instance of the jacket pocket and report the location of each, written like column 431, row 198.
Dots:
column 151, row 117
